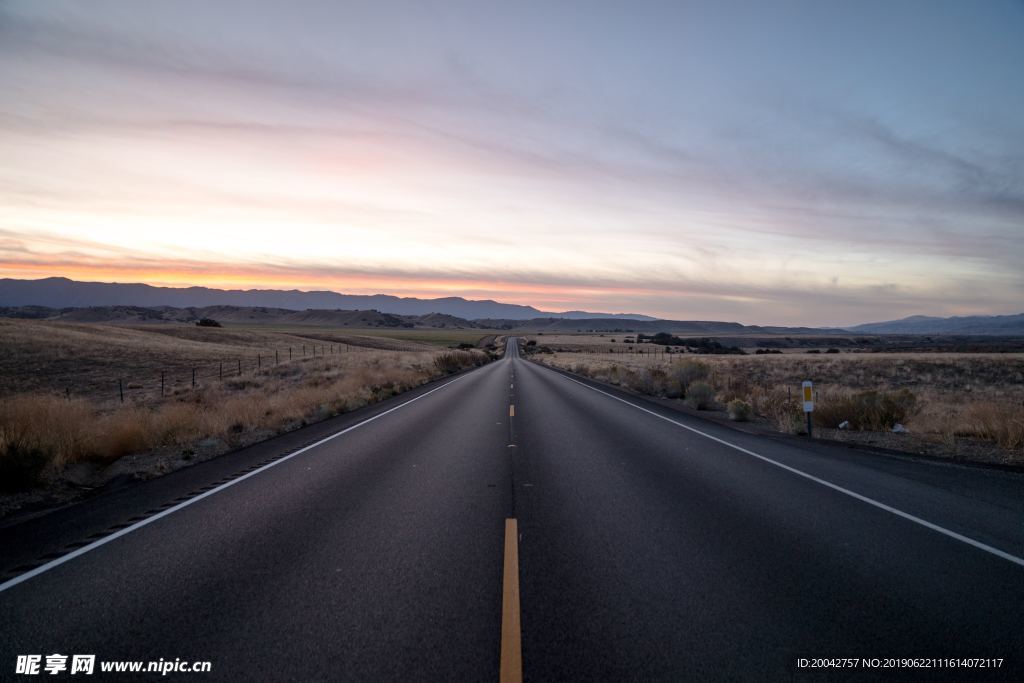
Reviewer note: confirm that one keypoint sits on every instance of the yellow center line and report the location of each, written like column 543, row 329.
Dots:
column 511, row 647
column 512, row 411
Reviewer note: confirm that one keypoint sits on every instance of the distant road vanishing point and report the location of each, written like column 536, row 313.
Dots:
column 514, row 521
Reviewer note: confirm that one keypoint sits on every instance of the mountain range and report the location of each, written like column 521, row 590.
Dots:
column 992, row 325
column 254, row 305
column 59, row 292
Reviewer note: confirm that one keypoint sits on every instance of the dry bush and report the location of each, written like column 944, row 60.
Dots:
column 780, row 408
column 38, row 435
column 688, row 371
column 868, row 410
column 1000, row 423
column 650, row 381
column 700, row 396
column 119, row 434
column 38, row 421
column 453, row 361
column 739, row 411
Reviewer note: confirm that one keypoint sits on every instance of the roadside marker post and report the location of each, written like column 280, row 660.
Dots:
column 808, row 388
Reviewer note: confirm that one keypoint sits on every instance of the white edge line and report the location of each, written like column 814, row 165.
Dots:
column 149, row 520
column 835, row 487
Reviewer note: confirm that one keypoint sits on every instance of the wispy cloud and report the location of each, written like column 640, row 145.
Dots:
column 432, row 160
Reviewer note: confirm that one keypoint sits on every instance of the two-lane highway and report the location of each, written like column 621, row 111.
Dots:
column 650, row 551
column 374, row 556
column 518, row 517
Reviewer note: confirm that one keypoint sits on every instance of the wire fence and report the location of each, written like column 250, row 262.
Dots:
column 184, row 376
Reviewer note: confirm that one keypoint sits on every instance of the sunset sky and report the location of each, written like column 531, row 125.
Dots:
column 766, row 162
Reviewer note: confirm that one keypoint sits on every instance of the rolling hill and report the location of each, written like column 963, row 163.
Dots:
column 58, row 292
column 1000, row 325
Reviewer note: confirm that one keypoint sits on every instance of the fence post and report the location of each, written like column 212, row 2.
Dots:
column 193, row 378
column 67, row 392
column 239, row 367
column 289, row 353
column 259, row 362
column 276, row 358
column 120, row 389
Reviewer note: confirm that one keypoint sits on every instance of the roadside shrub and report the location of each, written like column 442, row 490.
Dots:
column 673, row 387
column 649, row 381
column 688, row 371
column 124, row 432
column 700, row 396
column 453, row 361
column 739, row 410
column 777, row 405
column 581, row 369
column 867, row 410
column 38, row 435
column 1000, row 423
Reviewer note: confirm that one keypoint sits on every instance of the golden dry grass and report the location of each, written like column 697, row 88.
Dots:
column 42, row 430
column 88, row 360
column 954, row 395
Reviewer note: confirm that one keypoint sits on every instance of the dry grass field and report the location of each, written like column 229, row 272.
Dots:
column 959, row 405
column 61, row 384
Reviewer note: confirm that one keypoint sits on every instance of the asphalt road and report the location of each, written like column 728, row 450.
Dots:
column 648, row 545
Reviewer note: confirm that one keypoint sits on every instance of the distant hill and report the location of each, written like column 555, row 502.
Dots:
column 137, row 315
column 263, row 315
column 607, row 325
column 58, row 292
column 993, row 325
column 584, row 315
